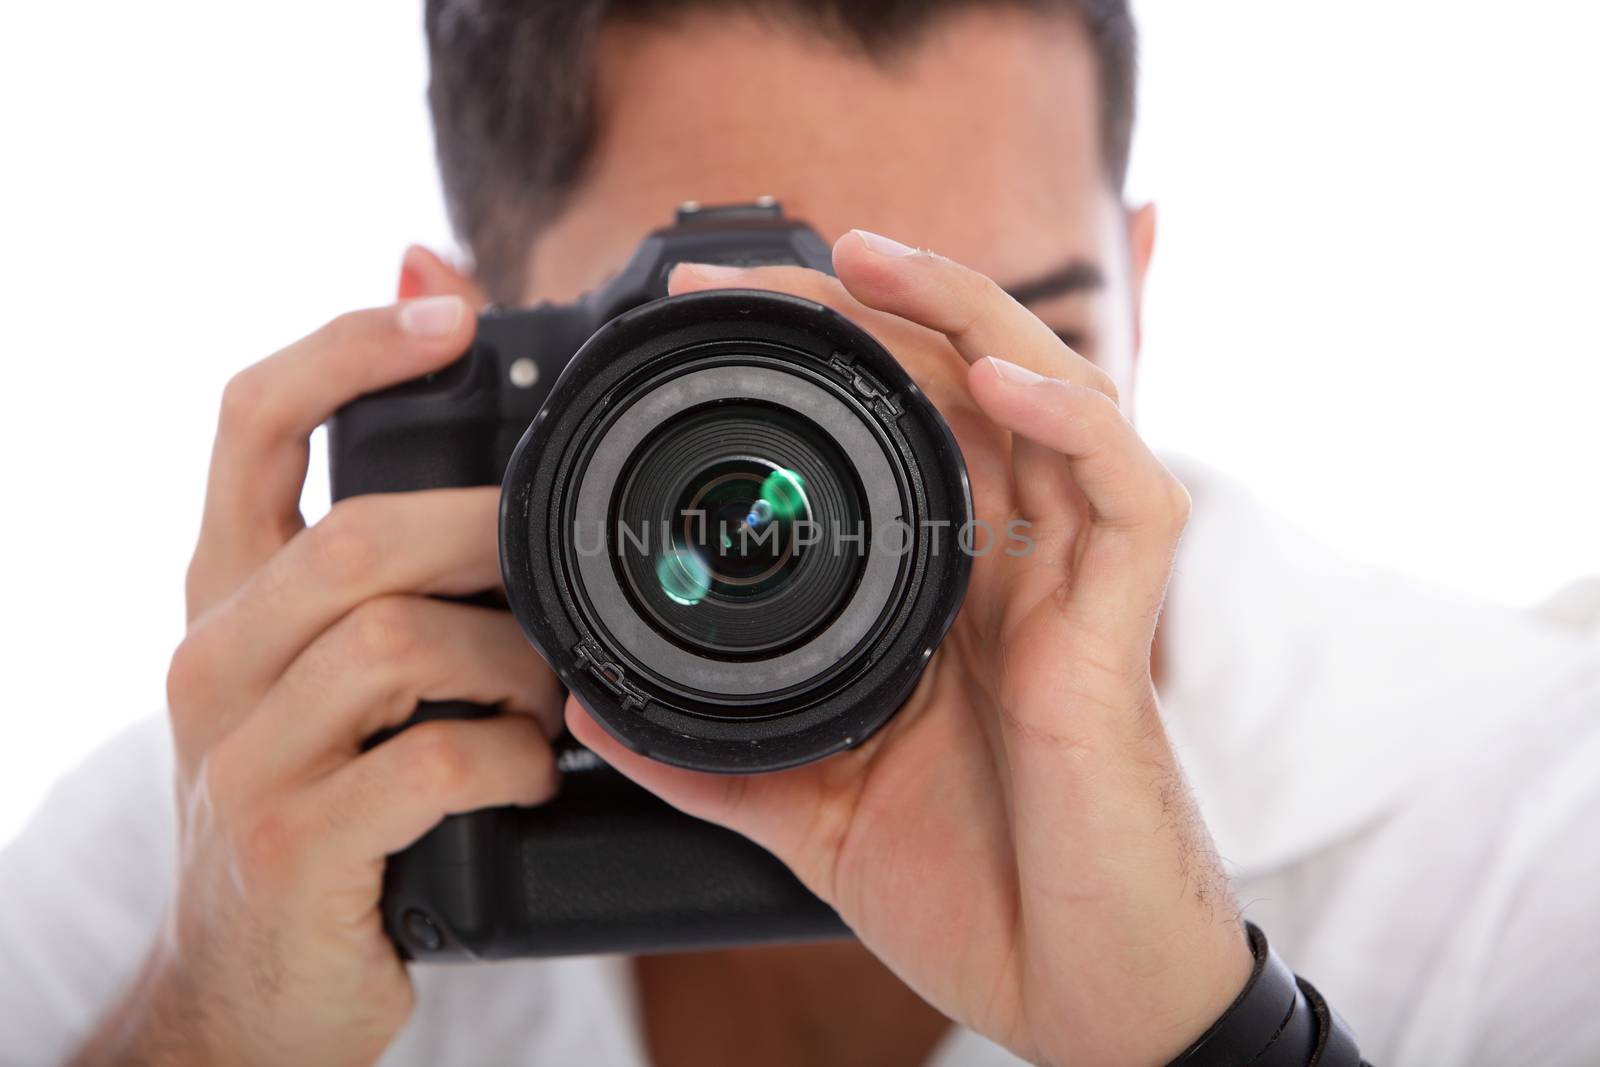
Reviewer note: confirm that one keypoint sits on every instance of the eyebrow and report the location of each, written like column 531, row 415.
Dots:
column 1074, row 277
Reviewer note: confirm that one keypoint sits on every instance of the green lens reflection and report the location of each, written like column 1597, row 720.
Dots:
column 783, row 494
column 684, row 576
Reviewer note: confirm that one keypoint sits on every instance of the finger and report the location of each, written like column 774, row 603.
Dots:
column 1071, row 439
column 369, row 671
column 385, row 799
column 258, row 462
column 1124, row 483
column 908, row 341
column 925, row 354
column 797, row 281
column 978, row 317
column 439, row 542
column 785, row 812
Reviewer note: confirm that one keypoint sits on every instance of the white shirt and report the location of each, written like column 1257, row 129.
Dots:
column 1402, row 781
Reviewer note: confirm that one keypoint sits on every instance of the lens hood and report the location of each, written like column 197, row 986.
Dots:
column 733, row 665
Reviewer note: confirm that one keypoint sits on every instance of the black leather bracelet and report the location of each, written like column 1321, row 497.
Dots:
column 1278, row 1020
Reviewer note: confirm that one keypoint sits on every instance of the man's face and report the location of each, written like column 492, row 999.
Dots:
column 981, row 142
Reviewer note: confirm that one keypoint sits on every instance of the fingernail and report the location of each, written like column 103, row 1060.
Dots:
column 1013, row 374
column 884, row 246
column 713, row 272
column 432, row 316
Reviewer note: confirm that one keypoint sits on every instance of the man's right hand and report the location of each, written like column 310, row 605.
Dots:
column 302, row 642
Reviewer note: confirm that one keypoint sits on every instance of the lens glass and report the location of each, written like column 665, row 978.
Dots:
column 739, row 529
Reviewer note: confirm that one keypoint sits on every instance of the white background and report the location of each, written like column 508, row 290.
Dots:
column 1373, row 298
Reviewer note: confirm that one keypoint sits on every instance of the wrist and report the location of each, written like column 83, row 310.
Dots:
column 158, row 1022
column 1212, row 987
column 1278, row 1020
column 1148, row 1007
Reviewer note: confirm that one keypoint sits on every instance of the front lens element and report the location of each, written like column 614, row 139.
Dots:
column 683, row 576
column 740, row 529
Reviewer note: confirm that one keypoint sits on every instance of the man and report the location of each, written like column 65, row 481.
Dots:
column 1017, row 852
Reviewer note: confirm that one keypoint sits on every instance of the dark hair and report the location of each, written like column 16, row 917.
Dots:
column 512, row 95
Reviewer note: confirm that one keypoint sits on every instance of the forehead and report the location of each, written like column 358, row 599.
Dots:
column 980, row 140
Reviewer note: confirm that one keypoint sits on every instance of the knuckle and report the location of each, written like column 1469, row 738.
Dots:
column 344, row 329
column 1177, row 504
column 383, row 631
column 983, row 289
column 976, row 296
column 1102, row 382
column 190, row 675
column 345, row 545
column 1102, row 408
column 437, row 763
column 247, row 402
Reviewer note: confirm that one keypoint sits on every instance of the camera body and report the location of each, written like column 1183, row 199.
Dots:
column 764, row 666
column 458, row 426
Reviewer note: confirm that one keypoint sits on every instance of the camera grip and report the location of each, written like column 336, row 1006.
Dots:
column 604, row 867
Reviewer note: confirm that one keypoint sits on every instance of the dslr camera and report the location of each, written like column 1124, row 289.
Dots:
column 731, row 523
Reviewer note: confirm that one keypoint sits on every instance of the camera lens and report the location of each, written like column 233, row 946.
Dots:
column 739, row 530
column 733, row 530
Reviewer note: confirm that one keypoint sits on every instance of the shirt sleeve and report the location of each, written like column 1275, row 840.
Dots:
column 1538, row 1001
column 82, row 892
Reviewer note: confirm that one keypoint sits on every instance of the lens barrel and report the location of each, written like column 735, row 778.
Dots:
column 734, row 530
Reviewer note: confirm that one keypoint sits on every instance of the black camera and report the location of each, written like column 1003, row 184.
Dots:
column 733, row 526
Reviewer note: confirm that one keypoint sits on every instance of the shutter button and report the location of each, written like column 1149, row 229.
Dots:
column 421, row 931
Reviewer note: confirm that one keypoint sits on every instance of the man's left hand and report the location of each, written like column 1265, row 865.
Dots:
column 1018, row 843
